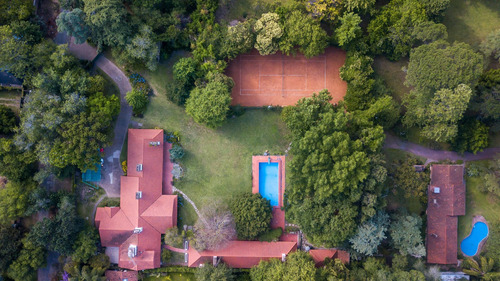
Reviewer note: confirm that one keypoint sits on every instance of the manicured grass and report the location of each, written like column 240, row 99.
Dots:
column 393, row 75
column 173, row 277
column 396, row 201
column 471, row 21
column 217, row 163
column 478, row 203
column 241, row 9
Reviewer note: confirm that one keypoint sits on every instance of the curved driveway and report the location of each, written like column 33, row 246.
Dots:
column 392, row 141
column 112, row 167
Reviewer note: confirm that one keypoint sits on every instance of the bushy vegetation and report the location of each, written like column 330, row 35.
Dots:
column 252, row 215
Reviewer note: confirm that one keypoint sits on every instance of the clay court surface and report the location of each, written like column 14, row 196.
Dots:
column 283, row 80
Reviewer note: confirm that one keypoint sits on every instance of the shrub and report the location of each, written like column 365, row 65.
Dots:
column 166, row 255
column 176, row 152
column 252, row 215
column 172, row 237
column 138, row 100
column 271, row 235
column 124, row 167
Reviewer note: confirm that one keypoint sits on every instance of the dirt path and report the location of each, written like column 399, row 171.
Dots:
column 174, row 189
column 392, row 141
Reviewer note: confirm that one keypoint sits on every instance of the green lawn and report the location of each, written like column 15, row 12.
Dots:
column 471, row 21
column 392, row 74
column 217, row 163
column 478, row 203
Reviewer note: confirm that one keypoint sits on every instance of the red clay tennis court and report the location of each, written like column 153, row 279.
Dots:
column 283, row 80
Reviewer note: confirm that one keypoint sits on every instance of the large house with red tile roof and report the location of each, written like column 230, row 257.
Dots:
column 146, row 209
column 132, row 232
column 446, row 201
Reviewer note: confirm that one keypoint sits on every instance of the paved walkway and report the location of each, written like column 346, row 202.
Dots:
column 392, row 141
column 112, row 167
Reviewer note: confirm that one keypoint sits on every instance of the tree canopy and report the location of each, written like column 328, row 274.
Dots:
column 73, row 23
column 301, row 31
column 209, row 105
column 334, row 165
column 406, row 235
column 214, row 228
column 268, row 32
column 252, row 215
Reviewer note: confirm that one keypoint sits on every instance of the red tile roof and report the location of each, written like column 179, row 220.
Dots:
column 154, row 212
column 242, row 254
column 319, row 255
column 442, row 211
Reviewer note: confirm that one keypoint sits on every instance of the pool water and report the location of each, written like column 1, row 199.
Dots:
column 269, row 182
column 471, row 243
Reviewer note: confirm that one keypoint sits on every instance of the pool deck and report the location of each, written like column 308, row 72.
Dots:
column 278, row 214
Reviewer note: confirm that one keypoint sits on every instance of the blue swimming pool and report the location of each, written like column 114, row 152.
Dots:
column 471, row 243
column 269, row 182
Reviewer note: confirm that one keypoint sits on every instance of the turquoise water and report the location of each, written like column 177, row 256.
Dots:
column 269, row 182
column 470, row 244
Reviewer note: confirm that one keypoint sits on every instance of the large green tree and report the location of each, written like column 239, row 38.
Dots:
column 252, row 215
column 268, row 32
column 81, row 139
column 491, row 45
column 7, row 120
column 61, row 232
column 411, row 183
column 31, row 257
column 406, row 235
column 302, row 31
column 15, row 164
column 14, row 198
column 12, row 10
column 108, row 22
column 10, row 238
column 349, row 29
column 73, row 23
column 390, row 32
column 334, row 164
column 144, row 47
column 209, row 105
column 370, row 234
column 220, row 272
column 240, row 38
column 299, row 266
column 441, row 65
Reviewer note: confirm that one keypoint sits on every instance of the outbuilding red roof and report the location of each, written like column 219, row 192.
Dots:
column 242, row 254
column 319, row 255
column 446, row 201
column 145, row 212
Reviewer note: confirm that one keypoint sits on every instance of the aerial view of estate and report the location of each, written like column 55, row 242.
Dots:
column 249, row 140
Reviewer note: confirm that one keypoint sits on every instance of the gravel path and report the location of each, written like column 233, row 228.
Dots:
column 174, row 189
column 392, row 141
